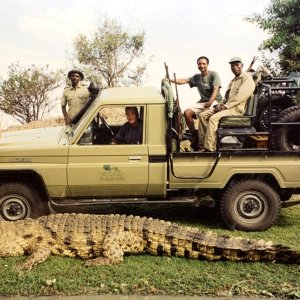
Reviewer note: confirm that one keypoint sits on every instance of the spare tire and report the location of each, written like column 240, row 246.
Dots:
column 262, row 112
column 287, row 137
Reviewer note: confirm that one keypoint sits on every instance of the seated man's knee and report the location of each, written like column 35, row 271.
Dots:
column 188, row 113
column 205, row 115
column 214, row 118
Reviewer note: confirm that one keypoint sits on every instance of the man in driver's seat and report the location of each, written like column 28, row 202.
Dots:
column 132, row 131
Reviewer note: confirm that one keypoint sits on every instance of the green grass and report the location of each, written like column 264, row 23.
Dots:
column 146, row 274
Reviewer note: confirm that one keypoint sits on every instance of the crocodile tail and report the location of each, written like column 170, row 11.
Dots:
column 182, row 241
column 213, row 246
column 286, row 255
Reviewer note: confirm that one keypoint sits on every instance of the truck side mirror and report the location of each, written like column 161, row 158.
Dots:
column 93, row 89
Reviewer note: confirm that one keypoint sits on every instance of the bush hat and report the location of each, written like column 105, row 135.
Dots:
column 236, row 59
column 75, row 71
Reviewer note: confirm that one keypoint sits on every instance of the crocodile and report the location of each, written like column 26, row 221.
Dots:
column 105, row 239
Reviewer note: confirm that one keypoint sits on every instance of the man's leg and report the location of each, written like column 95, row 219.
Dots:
column 203, row 118
column 189, row 116
column 210, row 141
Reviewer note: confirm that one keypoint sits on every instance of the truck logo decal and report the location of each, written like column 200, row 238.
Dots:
column 109, row 168
column 21, row 160
column 111, row 173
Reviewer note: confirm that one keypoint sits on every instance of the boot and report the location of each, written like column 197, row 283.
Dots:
column 195, row 142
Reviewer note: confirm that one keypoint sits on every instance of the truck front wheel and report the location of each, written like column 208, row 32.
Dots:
column 19, row 201
column 250, row 205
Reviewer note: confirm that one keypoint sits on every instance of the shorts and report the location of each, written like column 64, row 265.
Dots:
column 198, row 107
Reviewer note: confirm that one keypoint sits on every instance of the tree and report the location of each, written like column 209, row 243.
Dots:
column 111, row 56
column 25, row 94
column 281, row 20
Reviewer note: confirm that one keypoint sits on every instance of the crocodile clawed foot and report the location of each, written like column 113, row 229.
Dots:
column 101, row 261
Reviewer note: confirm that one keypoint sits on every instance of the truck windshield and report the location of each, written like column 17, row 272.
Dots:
column 78, row 125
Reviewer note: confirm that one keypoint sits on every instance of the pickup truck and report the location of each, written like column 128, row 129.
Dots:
column 48, row 168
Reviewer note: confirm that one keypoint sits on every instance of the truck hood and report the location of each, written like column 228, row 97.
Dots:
column 37, row 136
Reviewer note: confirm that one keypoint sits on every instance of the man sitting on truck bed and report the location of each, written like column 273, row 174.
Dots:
column 132, row 131
column 208, row 84
column 239, row 90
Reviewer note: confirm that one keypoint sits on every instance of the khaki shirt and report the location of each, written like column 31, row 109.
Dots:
column 238, row 92
column 75, row 98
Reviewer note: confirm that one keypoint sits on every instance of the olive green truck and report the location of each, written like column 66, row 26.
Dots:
column 45, row 169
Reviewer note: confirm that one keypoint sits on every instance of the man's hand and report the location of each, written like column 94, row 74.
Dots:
column 219, row 107
column 166, row 79
column 207, row 104
column 66, row 116
column 68, row 121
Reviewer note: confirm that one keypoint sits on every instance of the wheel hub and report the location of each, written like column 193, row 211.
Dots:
column 13, row 208
column 250, row 206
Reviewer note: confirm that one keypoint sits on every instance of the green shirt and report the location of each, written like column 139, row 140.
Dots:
column 75, row 98
column 205, row 85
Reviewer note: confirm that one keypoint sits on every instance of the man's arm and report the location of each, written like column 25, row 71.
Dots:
column 64, row 110
column 180, row 81
column 212, row 97
column 215, row 85
column 66, row 116
column 119, row 137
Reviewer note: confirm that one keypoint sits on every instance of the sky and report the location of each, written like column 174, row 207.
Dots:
column 177, row 32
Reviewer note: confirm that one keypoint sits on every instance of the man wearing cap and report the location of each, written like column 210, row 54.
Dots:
column 75, row 96
column 208, row 84
column 238, row 92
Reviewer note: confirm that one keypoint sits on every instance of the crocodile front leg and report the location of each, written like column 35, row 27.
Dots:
column 115, row 245
column 38, row 256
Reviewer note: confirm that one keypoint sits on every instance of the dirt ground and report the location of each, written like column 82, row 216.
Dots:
column 37, row 124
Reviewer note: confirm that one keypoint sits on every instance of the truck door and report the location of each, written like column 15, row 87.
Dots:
column 102, row 166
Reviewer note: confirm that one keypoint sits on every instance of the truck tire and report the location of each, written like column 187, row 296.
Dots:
column 18, row 201
column 262, row 114
column 286, row 137
column 216, row 195
column 250, row 205
column 285, row 195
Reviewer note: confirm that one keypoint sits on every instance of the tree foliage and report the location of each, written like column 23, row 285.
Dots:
column 281, row 20
column 111, row 56
column 25, row 94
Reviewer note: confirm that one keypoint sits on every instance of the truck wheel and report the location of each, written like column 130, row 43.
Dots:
column 285, row 195
column 262, row 115
column 250, row 205
column 18, row 202
column 286, row 137
column 216, row 195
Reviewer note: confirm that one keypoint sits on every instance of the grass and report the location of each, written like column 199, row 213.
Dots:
column 168, row 276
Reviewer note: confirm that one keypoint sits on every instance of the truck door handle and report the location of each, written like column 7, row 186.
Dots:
column 134, row 157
